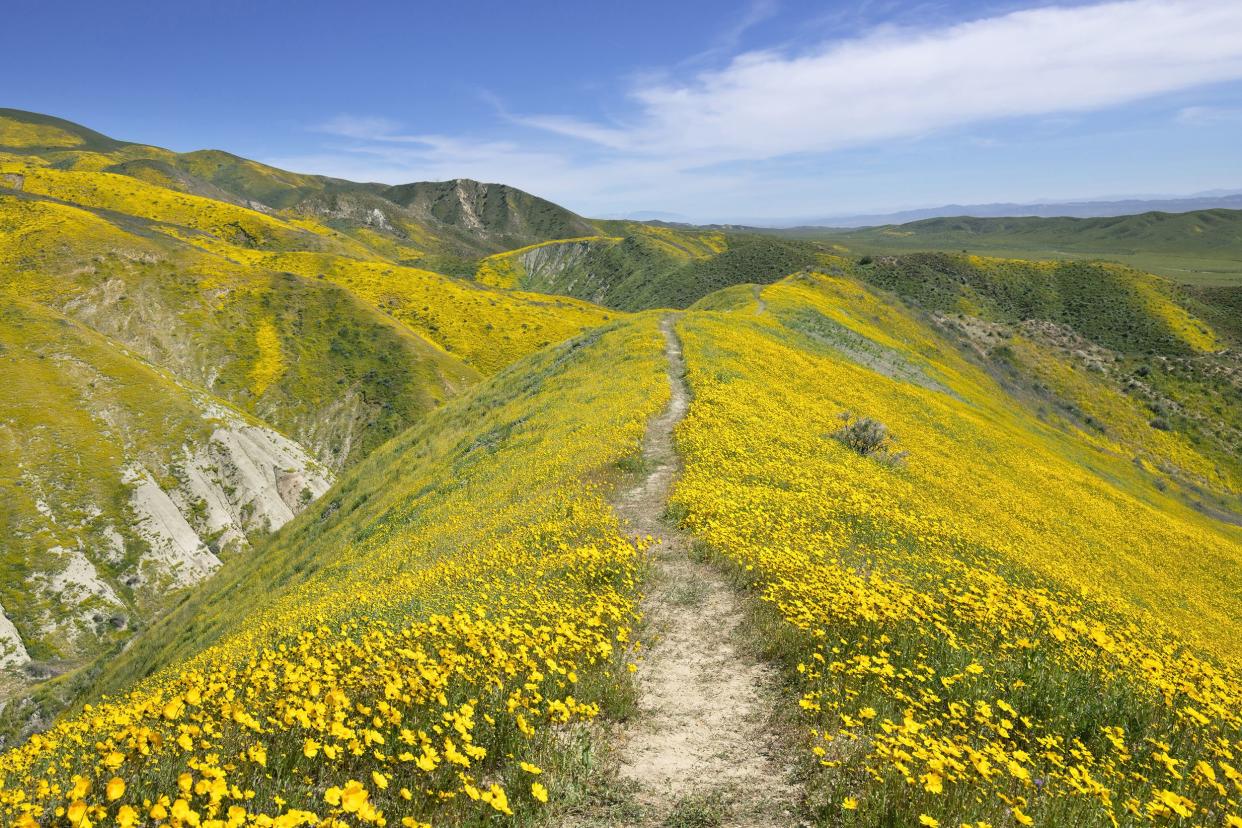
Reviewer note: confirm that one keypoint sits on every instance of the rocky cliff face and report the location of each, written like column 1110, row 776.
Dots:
column 105, row 564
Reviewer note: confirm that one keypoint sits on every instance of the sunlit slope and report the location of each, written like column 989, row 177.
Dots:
column 133, row 197
column 316, row 361
column 128, row 475
column 636, row 266
column 992, row 616
column 119, row 486
column 128, row 231
column 1109, row 349
column 440, row 224
column 486, row 329
column 29, row 133
column 183, row 297
column 1133, row 335
column 407, row 644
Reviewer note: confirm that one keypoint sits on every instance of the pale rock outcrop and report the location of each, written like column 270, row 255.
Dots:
column 233, row 478
column 545, row 263
column 273, row 477
column 78, row 582
column 174, row 545
column 469, row 208
column 12, row 649
column 243, row 478
column 114, row 544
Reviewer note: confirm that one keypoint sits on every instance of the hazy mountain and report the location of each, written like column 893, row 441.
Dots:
column 1216, row 199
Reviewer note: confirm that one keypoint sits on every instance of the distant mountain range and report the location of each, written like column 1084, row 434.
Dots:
column 1210, row 200
column 651, row 215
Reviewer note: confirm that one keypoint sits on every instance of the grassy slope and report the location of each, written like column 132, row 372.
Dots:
column 999, row 532
column 646, row 266
column 953, row 621
column 346, row 376
column 189, row 282
column 1201, row 247
column 78, row 412
column 1112, row 305
column 173, row 279
column 484, row 534
column 1046, row 564
column 1053, row 562
column 443, row 225
column 1132, row 331
column 1171, row 350
column 486, row 329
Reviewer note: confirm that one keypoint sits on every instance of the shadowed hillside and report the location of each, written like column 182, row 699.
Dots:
column 647, row 266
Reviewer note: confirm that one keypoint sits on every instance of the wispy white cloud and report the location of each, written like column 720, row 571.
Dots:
column 363, row 128
column 898, row 82
column 1209, row 115
column 730, row 38
column 684, row 127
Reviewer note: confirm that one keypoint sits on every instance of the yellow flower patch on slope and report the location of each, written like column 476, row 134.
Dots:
column 411, row 645
column 977, row 633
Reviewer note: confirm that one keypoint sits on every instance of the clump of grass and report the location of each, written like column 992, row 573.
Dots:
column 869, row 438
column 698, row 811
column 674, row 514
column 633, row 464
column 690, row 594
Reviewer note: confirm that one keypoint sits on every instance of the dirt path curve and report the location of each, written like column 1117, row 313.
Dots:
column 760, row 304
column 700, row 750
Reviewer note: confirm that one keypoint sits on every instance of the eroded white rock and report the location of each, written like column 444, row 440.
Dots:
column 77, row 581
column 174, row 545
column 12, row 649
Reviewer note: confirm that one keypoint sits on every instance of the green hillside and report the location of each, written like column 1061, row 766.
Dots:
column 121, row 484
column 436, row 221
column 961, row 578
column 1144, row 336
column 472, row 573
column 647, row 266
column 1200, row 247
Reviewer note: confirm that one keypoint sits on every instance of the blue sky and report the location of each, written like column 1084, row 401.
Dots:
column 713, row 110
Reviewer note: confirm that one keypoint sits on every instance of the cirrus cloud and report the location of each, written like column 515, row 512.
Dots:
column 901, row 82
column 740, row 133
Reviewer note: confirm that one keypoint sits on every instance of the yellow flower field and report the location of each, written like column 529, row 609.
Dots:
column 977, row 632
column 482, row 605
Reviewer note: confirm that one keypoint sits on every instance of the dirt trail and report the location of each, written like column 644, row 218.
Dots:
column 700, row 750
column 760, row 304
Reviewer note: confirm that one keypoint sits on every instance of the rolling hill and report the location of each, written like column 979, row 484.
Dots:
column 635, row 525
column 646, row 266
column 1093, row 208
column 191, row 367
column 482, row 551
column 411, row 221
column 1198, row 247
